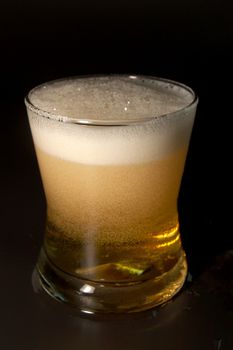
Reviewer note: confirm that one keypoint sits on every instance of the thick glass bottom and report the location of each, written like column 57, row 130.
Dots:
column 110, row 298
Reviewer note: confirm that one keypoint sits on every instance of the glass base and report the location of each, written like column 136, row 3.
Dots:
column 107, row 298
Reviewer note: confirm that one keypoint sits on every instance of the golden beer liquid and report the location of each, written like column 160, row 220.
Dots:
column 112, row 223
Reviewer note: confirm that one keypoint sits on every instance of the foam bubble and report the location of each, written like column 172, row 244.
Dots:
column 107, row 100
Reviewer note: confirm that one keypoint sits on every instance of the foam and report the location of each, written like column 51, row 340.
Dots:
column 107, row 100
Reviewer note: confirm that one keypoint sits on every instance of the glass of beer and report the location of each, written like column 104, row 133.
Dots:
column 111, row 152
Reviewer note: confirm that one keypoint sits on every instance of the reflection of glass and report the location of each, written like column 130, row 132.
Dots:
column 111, row 152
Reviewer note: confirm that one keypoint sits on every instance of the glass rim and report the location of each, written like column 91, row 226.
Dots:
column 104, row 122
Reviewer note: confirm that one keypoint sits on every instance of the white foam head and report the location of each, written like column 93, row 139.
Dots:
column 148, row 118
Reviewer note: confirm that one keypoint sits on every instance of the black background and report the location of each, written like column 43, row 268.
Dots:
column 188, row 41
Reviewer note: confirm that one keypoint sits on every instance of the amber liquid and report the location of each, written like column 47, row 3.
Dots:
column 112, row 223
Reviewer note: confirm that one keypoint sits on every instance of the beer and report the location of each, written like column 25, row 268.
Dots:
column 111, row 176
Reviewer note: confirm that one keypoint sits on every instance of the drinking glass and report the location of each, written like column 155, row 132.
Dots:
column 111, row 152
